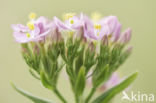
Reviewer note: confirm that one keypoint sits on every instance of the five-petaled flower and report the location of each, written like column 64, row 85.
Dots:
column 72, row 22
column 35, row 30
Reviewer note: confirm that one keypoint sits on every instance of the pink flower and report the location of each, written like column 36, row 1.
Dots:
column 109, row 26
column 114, row 27
column 95, row 31
column 72, row 22
column 35, row 30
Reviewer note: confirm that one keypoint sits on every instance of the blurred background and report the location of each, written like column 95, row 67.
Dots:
column 140, row 15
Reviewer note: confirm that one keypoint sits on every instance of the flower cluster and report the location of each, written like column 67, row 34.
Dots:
column 86, row 48
column 81, row 25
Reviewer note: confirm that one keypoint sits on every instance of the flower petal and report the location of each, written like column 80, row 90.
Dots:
column 60, row 24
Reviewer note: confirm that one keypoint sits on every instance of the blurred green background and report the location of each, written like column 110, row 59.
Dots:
column 140, row 15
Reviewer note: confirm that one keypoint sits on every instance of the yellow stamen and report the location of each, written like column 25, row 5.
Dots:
column 28, row 35
column 97, row 26
column 68, row 16
column 95, row 16
column 71, row 21
column 30, row 25
column 32, row 16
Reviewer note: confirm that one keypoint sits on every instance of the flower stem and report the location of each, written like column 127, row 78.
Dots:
column 76, row 100
column 90, row 95
column 60, row 96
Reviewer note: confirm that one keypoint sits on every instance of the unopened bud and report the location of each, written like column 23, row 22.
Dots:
column 57, row 35
column 105, row 40
column 91, row 47
column 116, row 33
column 36, row 50
column 24, row 50
column 126, row 36
column 129, row 49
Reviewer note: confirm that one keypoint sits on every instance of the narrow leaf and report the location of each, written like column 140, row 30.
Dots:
column 28, row 95
column 33, row 74
column 108, row 95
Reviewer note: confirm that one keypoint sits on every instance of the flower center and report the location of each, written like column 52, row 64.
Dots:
column 28, row 35
column 97, row 28
column 30, row 25
column 71, row 21
column 69, row 18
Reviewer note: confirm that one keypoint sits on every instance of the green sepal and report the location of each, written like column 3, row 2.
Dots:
column 62, row 51
column 45, row 81
column 53, row 51
column 31, row 58
column 108, row 95
column 30, row 96
column 89, row 60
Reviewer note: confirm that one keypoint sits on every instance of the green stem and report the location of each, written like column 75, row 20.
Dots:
column 60, row 96
column 90, row 95
column 77, row 99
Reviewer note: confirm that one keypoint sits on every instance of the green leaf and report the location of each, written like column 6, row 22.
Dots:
column 80, row 81
column 28, row 95
column 108, row 95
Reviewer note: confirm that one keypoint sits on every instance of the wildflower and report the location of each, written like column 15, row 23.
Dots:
column 114, row 27
column 95, row 30
column 72, row 22
column 34, row 31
